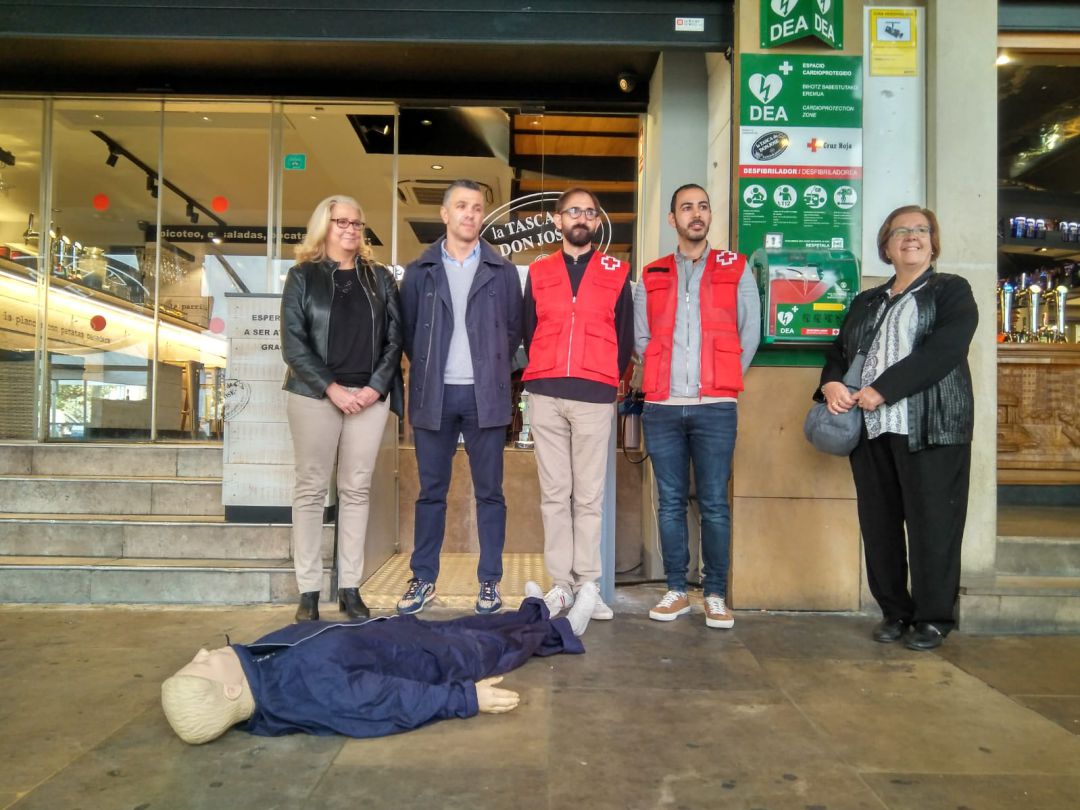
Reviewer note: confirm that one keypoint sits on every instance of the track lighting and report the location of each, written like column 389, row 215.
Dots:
column 112, row 158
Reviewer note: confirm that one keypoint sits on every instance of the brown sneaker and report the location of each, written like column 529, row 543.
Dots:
column 717, row 613
column 673, row 605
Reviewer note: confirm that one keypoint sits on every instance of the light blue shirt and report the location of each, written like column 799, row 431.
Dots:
column 459, row 275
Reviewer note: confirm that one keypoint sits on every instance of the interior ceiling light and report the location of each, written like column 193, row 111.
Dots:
column 437, row 167
column 627, row 82
column 112, row 158
column 1003, row 58
column 425, row 122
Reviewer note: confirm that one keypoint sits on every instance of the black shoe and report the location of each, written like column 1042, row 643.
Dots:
column 308, row 610
column 889, row 630
column 923, row 636
column 350, row 603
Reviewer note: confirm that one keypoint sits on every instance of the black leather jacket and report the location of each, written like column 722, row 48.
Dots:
column 935, row 377
column 305, row 328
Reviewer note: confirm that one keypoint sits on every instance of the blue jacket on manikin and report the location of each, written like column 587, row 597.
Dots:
column 386, row 675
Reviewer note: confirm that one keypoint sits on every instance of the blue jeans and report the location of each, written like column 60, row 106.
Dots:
column 435, row 460
column 675, row 436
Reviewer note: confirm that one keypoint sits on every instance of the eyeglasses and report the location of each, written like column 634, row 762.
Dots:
column 904, row 233
column 574, row 212
column 345, row 224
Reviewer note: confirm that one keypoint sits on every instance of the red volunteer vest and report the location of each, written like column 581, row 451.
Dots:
column 721, row 368
column 575, row 335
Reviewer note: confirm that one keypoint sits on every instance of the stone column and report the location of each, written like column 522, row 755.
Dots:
column 961, row 167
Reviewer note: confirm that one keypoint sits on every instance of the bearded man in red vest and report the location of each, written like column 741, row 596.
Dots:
column 697, row 324
column 579, row 334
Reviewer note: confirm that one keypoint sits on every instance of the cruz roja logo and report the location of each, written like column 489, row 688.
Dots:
column 816, row 143
column 765, row 88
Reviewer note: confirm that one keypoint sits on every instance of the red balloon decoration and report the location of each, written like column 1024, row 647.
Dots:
column 217, row 325
column 97, row 323
column 101, row 202
column 220, row 204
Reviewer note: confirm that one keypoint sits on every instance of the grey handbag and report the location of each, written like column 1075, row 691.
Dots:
column 837, row 433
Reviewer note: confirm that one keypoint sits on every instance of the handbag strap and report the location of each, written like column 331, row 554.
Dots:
column 868, row 338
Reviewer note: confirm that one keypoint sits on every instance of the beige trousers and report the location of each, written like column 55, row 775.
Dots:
column 571, row 447
column 323, row 435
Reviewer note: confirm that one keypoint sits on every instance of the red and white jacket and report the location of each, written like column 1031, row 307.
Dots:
column 575, row 334
column 721, row 368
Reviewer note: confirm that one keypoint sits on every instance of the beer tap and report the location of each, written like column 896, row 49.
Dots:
column 1034, row 313
column 1060, row 293
column 1008, row 304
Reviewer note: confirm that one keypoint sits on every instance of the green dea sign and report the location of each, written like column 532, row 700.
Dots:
column 786, row 20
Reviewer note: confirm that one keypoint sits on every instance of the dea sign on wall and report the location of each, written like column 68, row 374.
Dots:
column 524, row 229
column 786, row 20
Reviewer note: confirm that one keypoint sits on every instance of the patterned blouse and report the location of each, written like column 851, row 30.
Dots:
column 893, row 342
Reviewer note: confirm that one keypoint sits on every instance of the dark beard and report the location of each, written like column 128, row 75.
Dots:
column 579, row 236
column 691, row 236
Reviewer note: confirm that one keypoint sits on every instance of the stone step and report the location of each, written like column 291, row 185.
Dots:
column 100, row 581
column 111, row 495
column 150, row 460
column 151, row 536
column 1020, row 604
column 1039, row 556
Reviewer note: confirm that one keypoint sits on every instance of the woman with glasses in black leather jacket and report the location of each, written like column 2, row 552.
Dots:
column 341, row 339
column 913, row 462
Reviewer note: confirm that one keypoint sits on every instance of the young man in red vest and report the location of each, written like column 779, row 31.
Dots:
column 579, row 334
column 697, row 323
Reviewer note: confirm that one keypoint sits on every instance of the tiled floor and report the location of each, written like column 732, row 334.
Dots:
column 796, row 711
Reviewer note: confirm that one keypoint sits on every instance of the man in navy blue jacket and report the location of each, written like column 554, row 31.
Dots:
column 363, row 679
column 462, row 319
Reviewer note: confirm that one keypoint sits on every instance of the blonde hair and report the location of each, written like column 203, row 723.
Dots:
column 199, row 710
column 313, row 248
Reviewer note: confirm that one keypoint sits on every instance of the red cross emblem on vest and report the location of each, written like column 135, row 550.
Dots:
column 609, row 262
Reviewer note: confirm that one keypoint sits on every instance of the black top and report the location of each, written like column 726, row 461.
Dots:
column 576, row 388
column 934, row 378
column 350, row 353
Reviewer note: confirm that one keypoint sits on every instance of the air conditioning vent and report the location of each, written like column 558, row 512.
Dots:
column 423, row 192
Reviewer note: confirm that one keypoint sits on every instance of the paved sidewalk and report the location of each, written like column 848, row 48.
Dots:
column 785, row 711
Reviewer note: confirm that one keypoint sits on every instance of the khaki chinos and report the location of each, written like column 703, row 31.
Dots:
column 322, row 435
column 571, row 436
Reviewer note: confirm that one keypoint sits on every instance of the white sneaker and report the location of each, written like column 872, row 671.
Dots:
column 558, row 599
column 601, row 612
column 582, row 609
column 533, row 590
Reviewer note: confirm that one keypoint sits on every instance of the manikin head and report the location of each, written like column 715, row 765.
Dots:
column 207, row 697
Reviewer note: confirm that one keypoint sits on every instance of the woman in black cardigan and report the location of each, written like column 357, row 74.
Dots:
column 341, row 338
column 912, row 465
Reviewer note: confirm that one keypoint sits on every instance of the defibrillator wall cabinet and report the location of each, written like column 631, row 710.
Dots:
column 805, row 294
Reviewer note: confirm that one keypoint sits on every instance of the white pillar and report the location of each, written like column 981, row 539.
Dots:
column 961, row 165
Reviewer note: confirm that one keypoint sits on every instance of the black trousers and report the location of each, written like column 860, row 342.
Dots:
column 927, row 491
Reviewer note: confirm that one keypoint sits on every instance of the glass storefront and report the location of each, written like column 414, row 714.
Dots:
column 113, row 304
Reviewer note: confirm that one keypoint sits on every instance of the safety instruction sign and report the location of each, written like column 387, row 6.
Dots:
column 894, row 40
column 800, row 152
